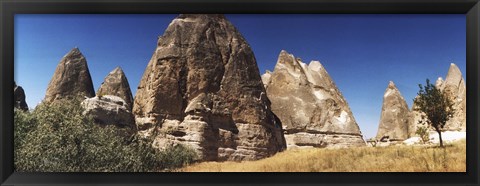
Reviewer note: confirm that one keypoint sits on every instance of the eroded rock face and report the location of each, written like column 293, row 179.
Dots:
column 71, row 78
column 394, row 120
column 109, row 110
column 116, row 84
column 266, row 78
column 19, row 97
column 202, row 88
column 414, row 120
column 454, row 87
column 312, row 109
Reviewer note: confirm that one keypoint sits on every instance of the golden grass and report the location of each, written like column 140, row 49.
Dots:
column 359, row 159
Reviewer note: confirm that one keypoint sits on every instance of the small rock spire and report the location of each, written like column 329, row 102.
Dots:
column 70, row 79
column 394, row 119
column 116, row 84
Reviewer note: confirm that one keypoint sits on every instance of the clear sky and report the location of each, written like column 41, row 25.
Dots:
column 362, row 53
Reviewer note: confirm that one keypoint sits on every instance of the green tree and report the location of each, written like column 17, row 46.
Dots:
column 423, row 133
column 436, row 106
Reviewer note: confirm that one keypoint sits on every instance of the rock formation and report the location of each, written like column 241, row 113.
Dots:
column 116, row 84
column 202, row 88
column 312, row 109
column 71, row 78
column 439, row 82
column 394, row 120
column 109, row 110
column 454, row 87
column 266, row 78
column 19, row 97
column 414, row 121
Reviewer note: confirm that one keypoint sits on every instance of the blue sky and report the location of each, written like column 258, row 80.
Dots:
column 362, row 53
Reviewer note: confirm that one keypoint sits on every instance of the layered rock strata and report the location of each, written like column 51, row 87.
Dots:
column 109, row 110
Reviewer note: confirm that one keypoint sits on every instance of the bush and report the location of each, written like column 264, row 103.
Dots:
column 176, row 157
column 24, row 123
column 423, row 133
column 59, row 138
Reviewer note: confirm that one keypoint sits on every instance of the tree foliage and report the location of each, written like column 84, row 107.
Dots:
column 422, row 131
column 59, row 138
column 436, row 106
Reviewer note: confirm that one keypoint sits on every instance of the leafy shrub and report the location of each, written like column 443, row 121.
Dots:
column 423, row 133
column 59, row 138
column 25, row 122
column 177, row 156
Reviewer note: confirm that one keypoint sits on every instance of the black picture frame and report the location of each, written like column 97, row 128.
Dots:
column 8, row 8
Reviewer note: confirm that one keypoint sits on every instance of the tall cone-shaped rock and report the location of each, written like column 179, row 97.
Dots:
column 312, row 109
column 202, row 88
column 116, row 84
column 454, row 87
column 71, row 78
column 394, row 120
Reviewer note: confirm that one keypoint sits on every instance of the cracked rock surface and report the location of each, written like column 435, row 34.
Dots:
column 394, row 119
column 116, row 84
column 202, row 88
column 70, row 79
column 312, row 109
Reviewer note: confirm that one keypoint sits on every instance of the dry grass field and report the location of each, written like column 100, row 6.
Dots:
column 360, row 159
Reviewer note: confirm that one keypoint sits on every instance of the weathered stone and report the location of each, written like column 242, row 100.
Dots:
column 415, row 119
column 19, row 97
column 202, row 88
column 394, row 119
column 454, row 87
column 71, row 78
column 439, row 82
column 310, row 106
column 305, row 139
column 266, row 78
column 109, row 110
column 116, row 84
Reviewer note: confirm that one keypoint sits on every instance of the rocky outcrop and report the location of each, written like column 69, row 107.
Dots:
column 109, row 110
column 116, row 84
column 202, row 88
column 439, row 82
column 266, row 78
column 394, row 119
column 454, row 87
column 71, row 79
column 414, row 120
column 312, row 109
column 19, row 97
